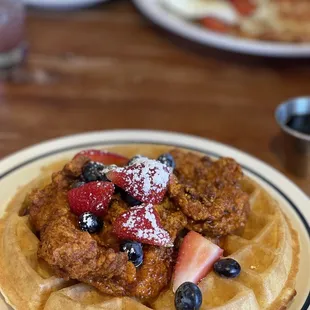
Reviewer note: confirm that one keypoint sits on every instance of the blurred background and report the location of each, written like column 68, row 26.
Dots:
column 69, row 69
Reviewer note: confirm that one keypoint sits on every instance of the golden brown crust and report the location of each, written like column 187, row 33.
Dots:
column 92, row 259
column 155, row 272
column 75, row 254
column 209, row 194
column 171, row 218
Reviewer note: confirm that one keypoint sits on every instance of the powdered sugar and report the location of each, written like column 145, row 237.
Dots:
column 100, row 206
column 145, row 179
column 89, row 219
column 142, row 223
column 138, row 158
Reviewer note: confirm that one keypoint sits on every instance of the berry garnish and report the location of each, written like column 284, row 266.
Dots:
column 134, row 251
column 92, row 197
column 132, row 202
column 93, row 171
column 227, row 268
column 167, row 159
column 90, row 222
column 188, row 297
column 118, row 190
column 146, row 180
column 104, row 157
column 77, row 184
column 142, row 224
column 195, row 259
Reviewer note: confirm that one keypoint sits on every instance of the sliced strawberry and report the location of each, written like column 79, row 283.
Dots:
column 195, row 259
column 146, row 180
column 244, row 7
column 142, row 224
column 104, row 157
column 92, row 197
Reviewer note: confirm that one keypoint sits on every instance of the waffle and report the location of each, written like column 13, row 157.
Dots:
column 267, row 250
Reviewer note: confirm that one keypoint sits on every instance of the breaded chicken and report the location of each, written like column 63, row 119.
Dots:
column 209, row 194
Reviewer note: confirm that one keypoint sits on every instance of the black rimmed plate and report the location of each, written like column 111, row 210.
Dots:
column 20, row 168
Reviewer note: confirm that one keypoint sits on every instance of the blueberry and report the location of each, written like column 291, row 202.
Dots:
column 188, row 297
column 134, row 251
column 227, row 268
column 134, row 159
column 117, row 190
column 93, row 171
column 129, row 199
column 90, row 222
column 167, row 160
column 77, row 184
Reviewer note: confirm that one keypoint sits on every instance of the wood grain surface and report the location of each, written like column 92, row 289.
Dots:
column 107, row 67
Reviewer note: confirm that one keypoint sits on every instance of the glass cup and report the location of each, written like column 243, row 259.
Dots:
column 12, row 23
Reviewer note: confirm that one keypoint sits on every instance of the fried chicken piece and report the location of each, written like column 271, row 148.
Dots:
column 117, row 285
column 76, row 255
column 116, row 208
column 47, row 204
column 209, row 194
column 94, row 259
column 172, row 219
column 51, row 202
column 106, row 237
column 155, row 272
column 73, row 169
column 71, row 252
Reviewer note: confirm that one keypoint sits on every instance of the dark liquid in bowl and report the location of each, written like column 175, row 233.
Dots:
column 300, row 123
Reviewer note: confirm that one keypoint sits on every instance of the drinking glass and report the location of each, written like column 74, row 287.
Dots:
column 12, row 44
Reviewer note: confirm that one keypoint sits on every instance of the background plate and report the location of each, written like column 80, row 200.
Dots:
column 152, row 10
column 20, row 168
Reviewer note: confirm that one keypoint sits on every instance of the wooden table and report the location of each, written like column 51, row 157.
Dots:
column 107, row 67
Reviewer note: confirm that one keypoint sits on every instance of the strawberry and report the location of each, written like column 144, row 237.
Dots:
column 92, row 197
column 104, row 157
column 195, row 259
column 146, row 180
column 142, row 224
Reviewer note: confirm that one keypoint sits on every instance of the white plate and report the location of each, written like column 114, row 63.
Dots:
column 21, row 167
column 153, row 10
column 62, row 4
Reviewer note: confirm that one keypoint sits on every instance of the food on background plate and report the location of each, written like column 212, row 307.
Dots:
column 171, row 229
column 271, row 20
